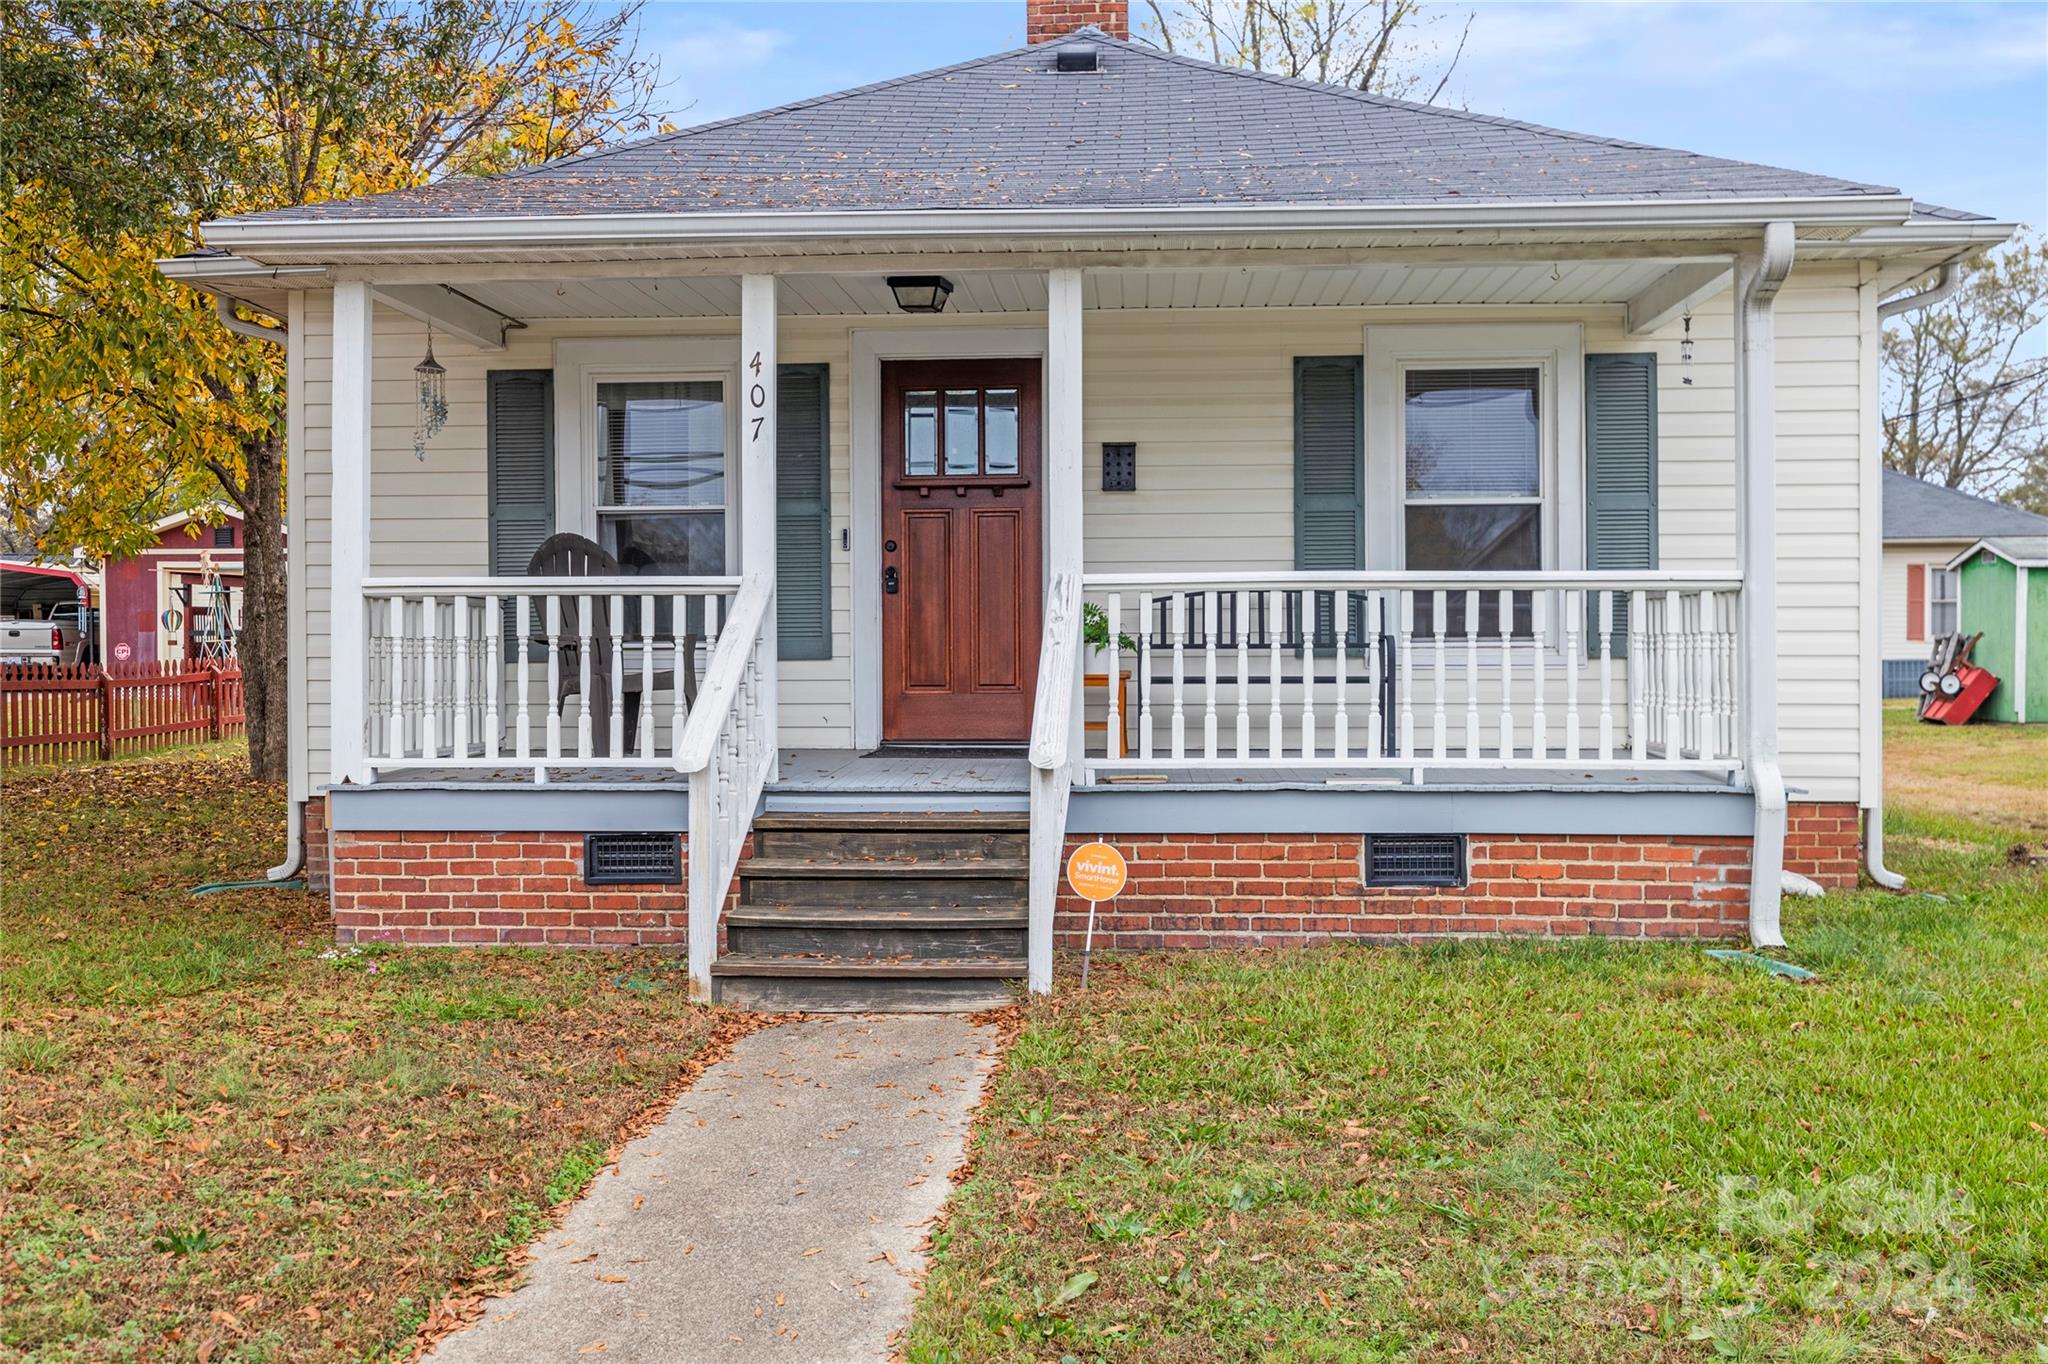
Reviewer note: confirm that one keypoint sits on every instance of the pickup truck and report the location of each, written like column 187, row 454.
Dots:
column 60, row 637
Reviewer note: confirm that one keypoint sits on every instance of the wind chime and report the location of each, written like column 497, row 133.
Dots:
column 1685, row 352
column 433, row 400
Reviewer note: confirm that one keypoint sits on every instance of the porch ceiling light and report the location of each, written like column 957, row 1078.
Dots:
column 921, row 293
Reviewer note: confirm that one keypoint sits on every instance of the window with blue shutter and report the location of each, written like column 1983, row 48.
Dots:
column 1329, row 475
column 519, row 426
column 803, row 512
column 1621, row 477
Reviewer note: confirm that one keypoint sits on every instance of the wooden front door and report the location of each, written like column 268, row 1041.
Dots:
column 961, row 548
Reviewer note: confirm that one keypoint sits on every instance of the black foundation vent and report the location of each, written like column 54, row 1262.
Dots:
column 1415, row 859
column 632, row 860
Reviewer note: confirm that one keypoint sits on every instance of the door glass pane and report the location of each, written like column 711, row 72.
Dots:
column 668, row 544
column 663, row 444
column 1472, row 433
column 1002, row 430
column 921, row 433
column 963, row 431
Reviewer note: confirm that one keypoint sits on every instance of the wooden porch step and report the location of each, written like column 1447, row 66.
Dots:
column 864, row 885
column 937, row 867
column 925, row 933
column 878, row 910
column 869, row 838
column 892, row 820
column 821, row 984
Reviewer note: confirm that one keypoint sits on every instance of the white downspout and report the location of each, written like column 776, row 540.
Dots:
column 1873, row 590
column 1759, row 273
column 294, row 812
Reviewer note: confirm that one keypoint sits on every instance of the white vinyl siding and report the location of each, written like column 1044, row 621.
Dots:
column 1208, row 396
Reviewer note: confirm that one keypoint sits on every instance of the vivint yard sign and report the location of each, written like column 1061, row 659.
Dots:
column 1097, row 872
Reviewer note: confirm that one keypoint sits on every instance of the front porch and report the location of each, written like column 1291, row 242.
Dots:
column 1171, row 675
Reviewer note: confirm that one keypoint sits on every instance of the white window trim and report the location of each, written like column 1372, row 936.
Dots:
column 1928, row 630
column 582, row 363
column 1556, row 350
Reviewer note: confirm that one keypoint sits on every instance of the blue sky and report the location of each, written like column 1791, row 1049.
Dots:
column 1947, row 101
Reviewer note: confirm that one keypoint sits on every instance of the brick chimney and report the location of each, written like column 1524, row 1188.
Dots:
column 1047, row 19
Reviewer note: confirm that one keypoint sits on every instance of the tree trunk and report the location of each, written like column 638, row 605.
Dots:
column 264, row 645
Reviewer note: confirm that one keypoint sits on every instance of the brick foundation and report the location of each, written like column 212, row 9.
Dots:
column 1253, row 890
column 1186, row 891
column 506, row 888
column 1259, row 890
column 315, row 845
column 1824, row 842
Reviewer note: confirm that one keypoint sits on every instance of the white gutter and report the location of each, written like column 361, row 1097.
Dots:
column 1944, row 285
column 251, row 236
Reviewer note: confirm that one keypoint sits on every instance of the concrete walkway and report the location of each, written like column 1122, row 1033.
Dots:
column 774, row 1214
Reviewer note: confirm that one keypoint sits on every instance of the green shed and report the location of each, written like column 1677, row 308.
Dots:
column 2004, row 590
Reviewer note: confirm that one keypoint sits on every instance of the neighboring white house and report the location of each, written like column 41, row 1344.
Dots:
column 1925, row 526
column 1478, row 523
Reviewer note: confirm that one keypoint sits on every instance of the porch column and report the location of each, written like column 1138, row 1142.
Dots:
column 757, row 473
column 1063, row 452
column 348, row 628
column 1759, row 272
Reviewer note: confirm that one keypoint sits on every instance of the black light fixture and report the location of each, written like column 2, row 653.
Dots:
column 921, row 293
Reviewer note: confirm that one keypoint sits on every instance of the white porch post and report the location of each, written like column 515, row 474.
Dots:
column 1759, row 272
column 757, row 475
column 1050, row 784
column 348, row 628
column 1063, row 457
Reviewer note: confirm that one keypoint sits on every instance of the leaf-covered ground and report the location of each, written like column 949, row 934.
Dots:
column 1521, row 1152
column 224, row 1140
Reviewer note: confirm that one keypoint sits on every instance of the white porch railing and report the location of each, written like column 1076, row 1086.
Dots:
column 1052, row 769
column 495, row 672
column 1418, row 670
column 727, row 750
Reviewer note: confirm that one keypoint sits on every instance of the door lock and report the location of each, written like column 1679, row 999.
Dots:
column 889, row 582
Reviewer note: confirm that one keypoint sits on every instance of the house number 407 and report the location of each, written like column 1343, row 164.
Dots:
column 757, row 397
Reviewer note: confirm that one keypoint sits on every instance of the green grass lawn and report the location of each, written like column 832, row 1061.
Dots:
column 1546, row 1153
column 224, row 1140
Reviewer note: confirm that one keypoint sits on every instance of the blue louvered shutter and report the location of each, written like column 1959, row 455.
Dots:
column 803, row 512
column 1621, row 476
column 519, row 461
column 1329, row 473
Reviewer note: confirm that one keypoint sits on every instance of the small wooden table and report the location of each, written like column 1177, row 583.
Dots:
column 1123, row 713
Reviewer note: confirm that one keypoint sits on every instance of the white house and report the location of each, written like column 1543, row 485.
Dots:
column 1372, row 519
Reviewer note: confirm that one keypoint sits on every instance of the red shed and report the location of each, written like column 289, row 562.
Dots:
column 157, row 602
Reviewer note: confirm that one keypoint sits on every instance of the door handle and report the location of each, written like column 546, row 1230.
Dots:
column 889, row 582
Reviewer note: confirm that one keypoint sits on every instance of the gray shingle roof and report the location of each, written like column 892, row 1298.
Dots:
column 1149, row 129
column 1917, row 510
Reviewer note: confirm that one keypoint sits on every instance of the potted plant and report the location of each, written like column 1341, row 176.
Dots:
column 1095, row 630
